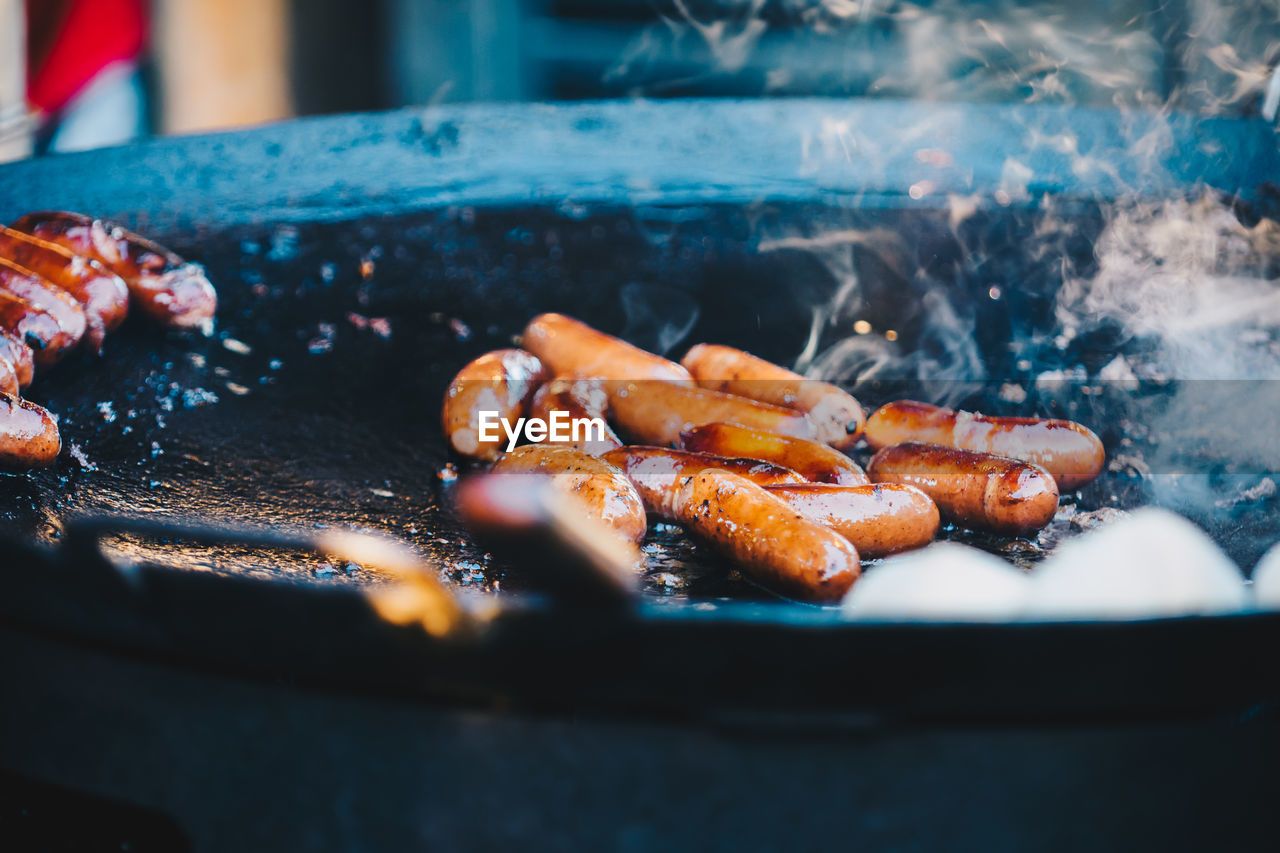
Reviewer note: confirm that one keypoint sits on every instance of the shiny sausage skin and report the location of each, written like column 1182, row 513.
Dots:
column 603, row 490
column 973, row 489
column 1067, row 450
column 659, row 412
column 836, row 416
column 28, row 435
column 772, row 543
column 817, row 463
column 34, row 326
column 173, row 292
column 17, row 353
column 501, row 381
column 102, row 294
column 879, row 519
column 572, row 348
column 658, row 472
column 8, row 377
column 37, row 290
column 579, row 398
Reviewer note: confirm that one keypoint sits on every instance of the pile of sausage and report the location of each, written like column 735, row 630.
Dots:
column 66, row 280
column 749, row 457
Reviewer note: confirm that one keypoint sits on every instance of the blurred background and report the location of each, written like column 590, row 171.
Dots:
column 78, row 74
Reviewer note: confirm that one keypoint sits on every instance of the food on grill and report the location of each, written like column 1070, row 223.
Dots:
column 602, row 490
column 1067, row 450
column 816, row 462
column 836, row 416
column 657, row 473
column 658, row 412
column 878, row 519
column 173, row 292
column 28, row 434
column 572, row 348
column 578, row 399
column 34, row 326
column 14, row 350
column 503, row 382
column 101, row 294
column 58, row 304
column 945, row 582
column 8, row 377
column 979, row 490
column 771, row 542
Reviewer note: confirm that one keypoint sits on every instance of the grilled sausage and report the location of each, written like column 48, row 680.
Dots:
column 837, row 417
column 658, row 412
column 34, row 326
column 973, row 489
column 603, row 490
column 878, row 519
column 775, row 545
column 572, row 348
column 101, row 294
column 8, row 377
column 28, row 434
column 24, row 284
column 817, row 463
column 1067, row 450
column 657, row 473
column 171, row 291
column 501, row 381
column 579, row 399
column 17, row 353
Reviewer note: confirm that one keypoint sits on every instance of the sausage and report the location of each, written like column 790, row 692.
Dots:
column 34, row 326
column 8, row 377
column 38, row 291
column 1068, row 451
column 659, row 412
column 17, row 353
column 101, row 294
column 572, row 348
column 603, row 490
column 973, row 489
column 817, row 463
column 879, row 519
column 772, row 543
column 28, row 434
column 837, row 417
column 171, row 291
column 657, row 473
column 501, row 381
column 578, row 399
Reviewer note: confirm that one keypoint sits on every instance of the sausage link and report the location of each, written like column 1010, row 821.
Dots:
column 1068, row 451
column 501, row 381
column 8, row 377
column 603, row 489
column 35, row 289
column 659, row 412
column 775, row 545
column 34, row 326
column 173, row 292
column 974, row 489
column 658, row 472
column 579, row 398
column 879, row 519
column 28, row 434
column 837, row 417
column 572, row 348
column 817, row 463
column 16, row 351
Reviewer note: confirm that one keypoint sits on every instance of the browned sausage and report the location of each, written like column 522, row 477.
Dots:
column 28, row 434
column 658, row 412
column 502, row 382
column 35, row 289
column 173, row 292
column 8, row 377
column 657, row 473
column 603, row 490
column 34, row 326
column 837, row 417
column 17, row 353
column 878, row 519
column 572, row 348
column 817, row 463
column 772, row 543
column 1067, row 450
column 102, row 294
column 973, row 489
column 578, row 399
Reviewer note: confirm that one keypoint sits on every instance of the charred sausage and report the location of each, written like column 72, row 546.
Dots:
column 173, row 292
column 658, row 472
column 837, row 417
column 817, row 463
column 579, row 399
column 973, row 489
column 34, row 326
column 775, row 545
column 28, row 434
column 502, row 381
column 878, row 519
column 659, row 412
column 1067, row 450
column 572, row 348
column 17, row 353
column 37, row 290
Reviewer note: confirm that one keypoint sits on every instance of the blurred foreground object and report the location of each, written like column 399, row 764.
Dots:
column 15, row 129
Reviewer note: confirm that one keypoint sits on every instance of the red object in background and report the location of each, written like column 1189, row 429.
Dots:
column 72, row 41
